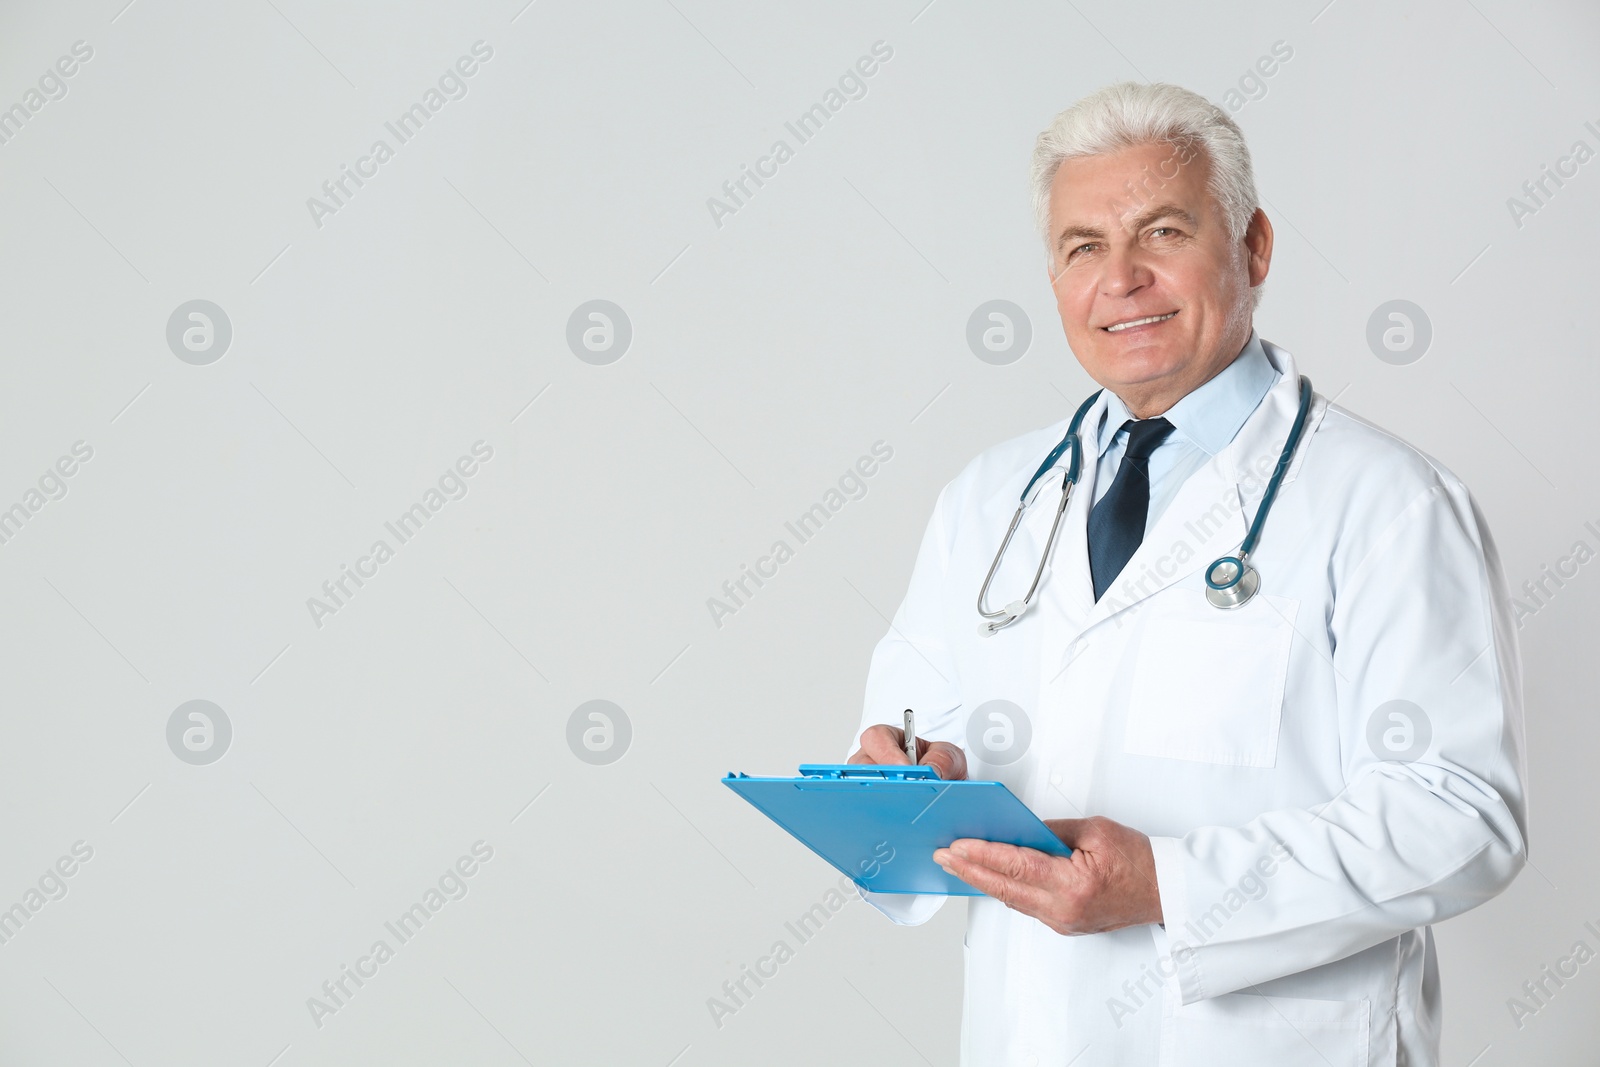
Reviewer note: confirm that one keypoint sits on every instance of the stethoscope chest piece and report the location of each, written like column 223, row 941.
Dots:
column 1231, row 582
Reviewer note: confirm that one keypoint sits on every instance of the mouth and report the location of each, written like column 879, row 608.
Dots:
column 1138, row 324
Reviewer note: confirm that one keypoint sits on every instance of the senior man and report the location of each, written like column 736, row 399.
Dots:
column 1268, row 803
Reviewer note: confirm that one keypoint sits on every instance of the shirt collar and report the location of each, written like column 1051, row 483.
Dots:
column 1211, row 415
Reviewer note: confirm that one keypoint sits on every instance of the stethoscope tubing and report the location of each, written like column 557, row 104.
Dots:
column 1070, row 442
column 1242, row 581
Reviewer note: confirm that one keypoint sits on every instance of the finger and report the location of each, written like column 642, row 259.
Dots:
column 882, row 744
column 1070, row 831
column 947, row 759
column 1098, row 843
column 869, row 746
column 1012, row 892
column 1013, row 861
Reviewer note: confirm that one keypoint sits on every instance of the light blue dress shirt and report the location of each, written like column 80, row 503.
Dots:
column 1203, row 422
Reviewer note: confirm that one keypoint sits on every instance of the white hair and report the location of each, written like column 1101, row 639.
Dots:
column 1129, row 114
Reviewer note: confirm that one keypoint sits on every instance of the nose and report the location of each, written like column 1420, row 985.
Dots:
column 1122, row 272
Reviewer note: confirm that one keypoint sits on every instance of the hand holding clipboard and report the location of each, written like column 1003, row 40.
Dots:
column 879, row 818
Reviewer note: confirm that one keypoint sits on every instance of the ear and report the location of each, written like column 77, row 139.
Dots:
column 1258, row 247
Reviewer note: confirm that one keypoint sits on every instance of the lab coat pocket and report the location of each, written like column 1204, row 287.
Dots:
column 1208, row 683
column 1237, row 1028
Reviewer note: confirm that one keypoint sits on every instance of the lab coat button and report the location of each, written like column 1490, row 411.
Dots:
column 1055, row 779
column 1032, row 1061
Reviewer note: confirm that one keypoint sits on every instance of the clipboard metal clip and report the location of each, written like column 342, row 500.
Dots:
column 880, row 772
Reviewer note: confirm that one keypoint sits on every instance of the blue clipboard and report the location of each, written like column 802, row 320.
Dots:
column 878, row 824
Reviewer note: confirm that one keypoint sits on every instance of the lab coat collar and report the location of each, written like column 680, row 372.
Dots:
column 1207, row 518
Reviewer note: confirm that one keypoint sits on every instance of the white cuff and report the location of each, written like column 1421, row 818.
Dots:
column 1178, row 960
column 906, row 909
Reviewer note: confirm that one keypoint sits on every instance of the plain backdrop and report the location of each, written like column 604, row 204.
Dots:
column 375, row 340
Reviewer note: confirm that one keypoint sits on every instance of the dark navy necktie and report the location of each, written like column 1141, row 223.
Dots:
column 1116, row 523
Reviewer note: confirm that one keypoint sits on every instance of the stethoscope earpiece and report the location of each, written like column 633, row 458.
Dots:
column 1008, row 615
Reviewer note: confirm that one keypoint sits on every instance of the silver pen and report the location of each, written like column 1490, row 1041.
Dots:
column 911, row 736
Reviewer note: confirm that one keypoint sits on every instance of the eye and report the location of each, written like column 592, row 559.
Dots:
column 1162, row 229
column 1080, row 248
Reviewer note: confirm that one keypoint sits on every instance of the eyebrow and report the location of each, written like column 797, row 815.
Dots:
column 1139, row 222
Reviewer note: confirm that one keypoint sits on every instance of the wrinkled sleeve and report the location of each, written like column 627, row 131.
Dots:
column 1417, row 834
column 912, row 668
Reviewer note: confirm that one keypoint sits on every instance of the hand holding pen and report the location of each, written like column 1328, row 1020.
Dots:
column 896, row 745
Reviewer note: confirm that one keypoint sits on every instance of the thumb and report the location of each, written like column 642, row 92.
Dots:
column 947, row 759
column 1070, row 831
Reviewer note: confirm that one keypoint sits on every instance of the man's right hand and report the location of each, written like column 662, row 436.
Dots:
column 887, row 744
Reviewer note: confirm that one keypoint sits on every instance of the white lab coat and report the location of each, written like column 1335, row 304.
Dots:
column 1299, row 863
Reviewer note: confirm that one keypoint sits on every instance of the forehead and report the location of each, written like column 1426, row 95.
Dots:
column 1090, row 190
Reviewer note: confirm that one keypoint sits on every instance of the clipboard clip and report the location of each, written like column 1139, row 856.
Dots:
column 879, row 772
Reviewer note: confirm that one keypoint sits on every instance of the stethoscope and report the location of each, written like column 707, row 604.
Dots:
column 1230, row 581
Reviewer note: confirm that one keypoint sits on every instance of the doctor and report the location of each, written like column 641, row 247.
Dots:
column 1271, row 802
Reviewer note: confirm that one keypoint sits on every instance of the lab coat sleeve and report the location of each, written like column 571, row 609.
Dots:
column 1422, row 617
column 912, row 668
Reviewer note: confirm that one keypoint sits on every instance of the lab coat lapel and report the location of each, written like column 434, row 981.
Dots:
column 1071, row 594
column 1066, row 593
column 1202, row 522
column 1205, row 519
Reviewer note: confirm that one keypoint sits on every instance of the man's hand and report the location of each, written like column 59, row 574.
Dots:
column 887, row 744
column 1107, row 883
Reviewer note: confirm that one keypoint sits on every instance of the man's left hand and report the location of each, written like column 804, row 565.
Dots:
column 1107, row 883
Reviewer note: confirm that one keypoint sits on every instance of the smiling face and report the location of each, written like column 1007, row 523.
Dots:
column 1154, row 297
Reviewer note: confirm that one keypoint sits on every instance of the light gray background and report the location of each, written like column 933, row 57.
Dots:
column 767, row 355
